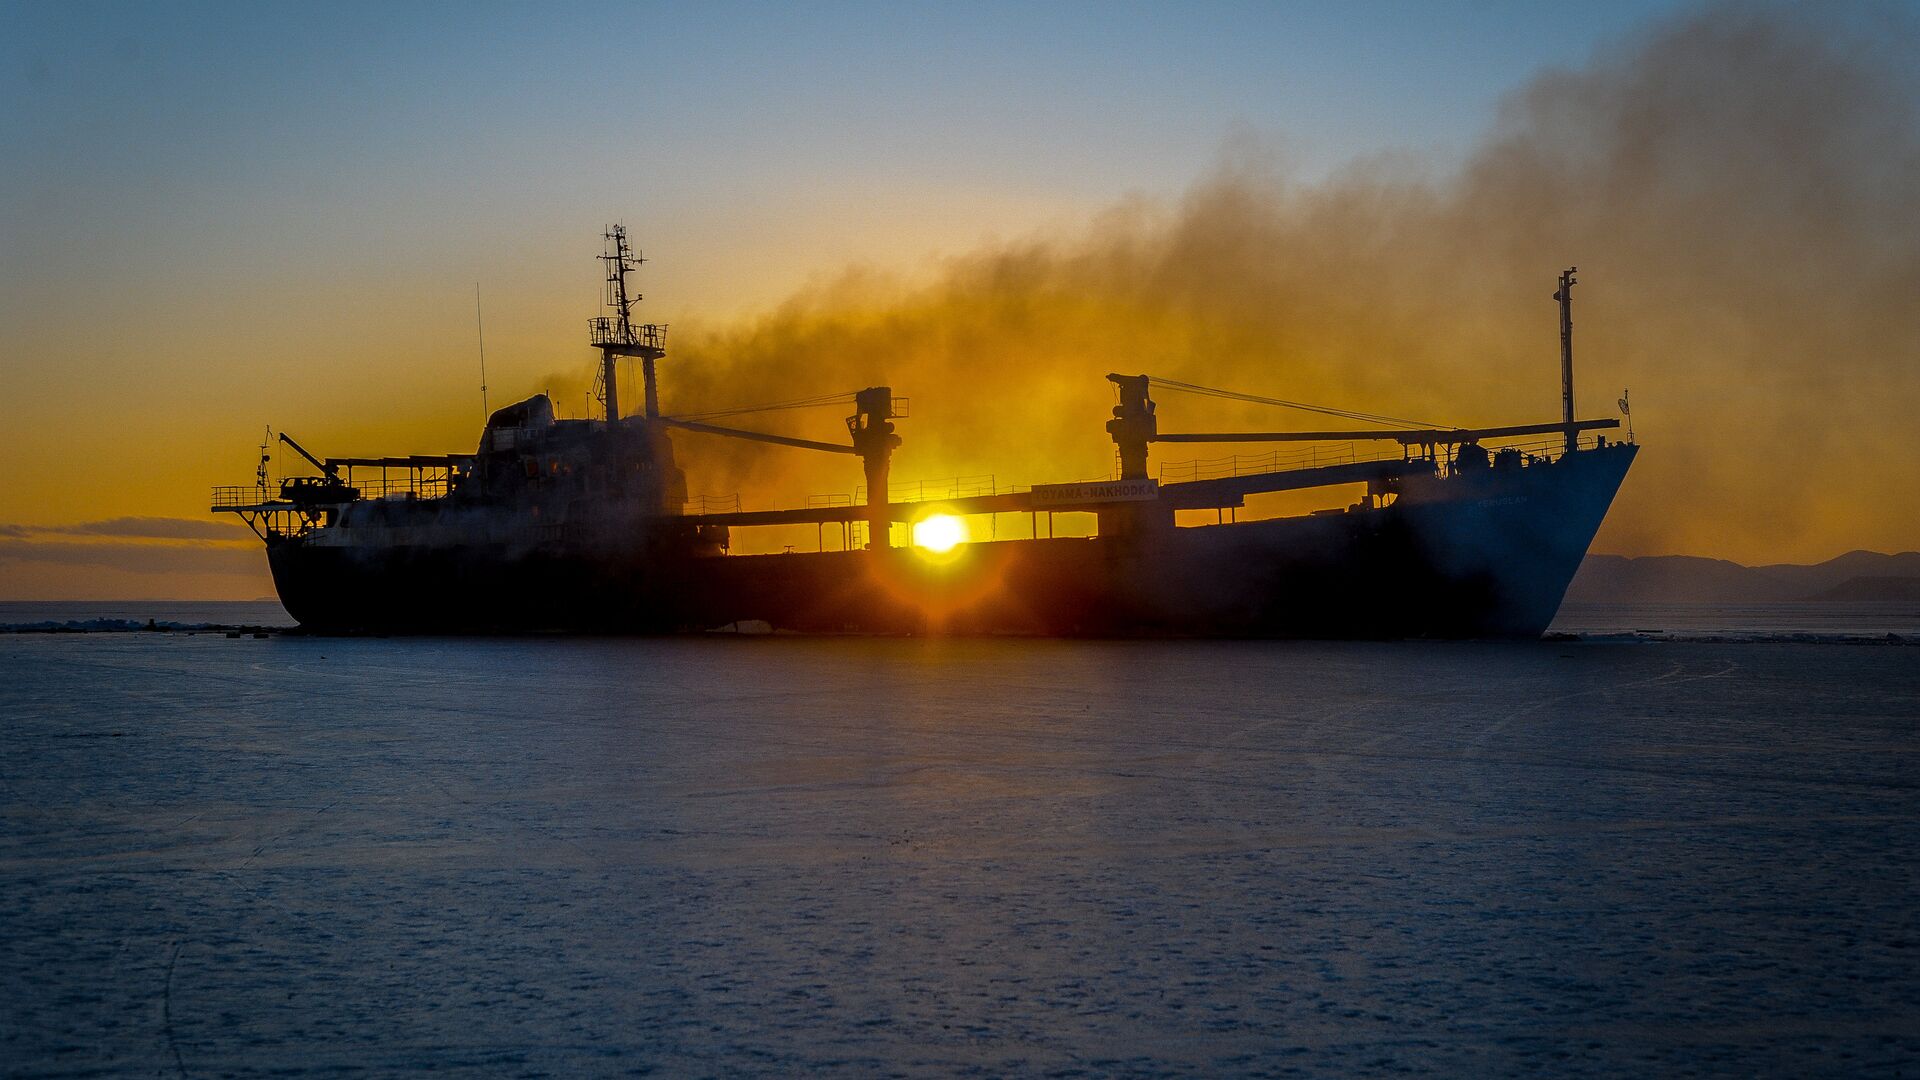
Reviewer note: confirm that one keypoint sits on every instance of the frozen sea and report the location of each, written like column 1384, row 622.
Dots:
column 1620, row 854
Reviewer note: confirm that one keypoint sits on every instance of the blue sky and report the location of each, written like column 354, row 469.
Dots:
column 751, row 141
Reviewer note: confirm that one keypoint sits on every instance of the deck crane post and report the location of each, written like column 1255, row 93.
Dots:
column 874, row 441
column 871, row 427
column 1134, row 424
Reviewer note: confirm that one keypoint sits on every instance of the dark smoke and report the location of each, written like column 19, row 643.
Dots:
column 1740, row 188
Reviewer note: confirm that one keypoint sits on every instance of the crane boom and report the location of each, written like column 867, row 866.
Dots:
column 1406, row 436
column 330, row 470
column 755, row 436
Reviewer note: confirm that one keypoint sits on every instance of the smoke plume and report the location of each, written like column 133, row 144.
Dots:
column 1740, row 188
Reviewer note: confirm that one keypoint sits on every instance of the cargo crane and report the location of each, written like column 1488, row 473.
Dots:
column 1135, row 425
column 873, row 442
column 325, row 489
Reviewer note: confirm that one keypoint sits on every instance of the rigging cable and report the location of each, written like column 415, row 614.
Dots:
column 1325, row 410
column 801, row 403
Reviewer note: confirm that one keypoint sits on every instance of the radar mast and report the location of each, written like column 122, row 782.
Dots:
column 617, row 335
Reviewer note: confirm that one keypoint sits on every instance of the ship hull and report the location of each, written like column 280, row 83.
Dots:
column 1470, row 556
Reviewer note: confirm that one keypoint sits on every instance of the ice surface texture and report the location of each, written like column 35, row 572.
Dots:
column 762, row 857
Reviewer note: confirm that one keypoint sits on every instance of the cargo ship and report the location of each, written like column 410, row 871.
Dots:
column 584, row 526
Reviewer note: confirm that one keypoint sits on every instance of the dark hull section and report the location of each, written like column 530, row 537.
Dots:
column 1486, row 554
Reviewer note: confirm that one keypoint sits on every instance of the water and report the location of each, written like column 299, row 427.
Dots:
column 135, row 614
column 1687, row 621
column 1746, row 622
column 865, row 857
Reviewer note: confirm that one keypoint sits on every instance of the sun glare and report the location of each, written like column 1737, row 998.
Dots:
column 940, row 533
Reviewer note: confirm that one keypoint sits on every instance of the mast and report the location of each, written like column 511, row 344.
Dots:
column 1565, row 295
column 617, row 335
column 618, row 266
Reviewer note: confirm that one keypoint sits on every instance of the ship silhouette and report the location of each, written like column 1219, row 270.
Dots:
column 558, row 525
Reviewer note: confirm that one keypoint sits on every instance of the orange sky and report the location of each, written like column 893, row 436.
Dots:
column 1741, row 188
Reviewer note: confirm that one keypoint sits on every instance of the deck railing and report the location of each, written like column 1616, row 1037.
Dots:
column 952, row 487
column 1314, row 456
column 1311, row 456
column 228, row 496
column 606, row 331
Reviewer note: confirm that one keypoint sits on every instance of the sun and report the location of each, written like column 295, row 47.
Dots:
column 940, row 533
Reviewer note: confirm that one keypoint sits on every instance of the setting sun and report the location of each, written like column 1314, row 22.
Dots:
column 940, row 533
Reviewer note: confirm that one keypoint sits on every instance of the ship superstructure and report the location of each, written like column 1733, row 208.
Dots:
column 584, row 525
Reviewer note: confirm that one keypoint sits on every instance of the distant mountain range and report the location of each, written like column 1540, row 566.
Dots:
column 1857, row 576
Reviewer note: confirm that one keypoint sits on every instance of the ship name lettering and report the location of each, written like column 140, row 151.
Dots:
column 1103, row 491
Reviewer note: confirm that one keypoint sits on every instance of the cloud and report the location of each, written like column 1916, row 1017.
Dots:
column 129, row 558
column 144, row 558
column 156, row 528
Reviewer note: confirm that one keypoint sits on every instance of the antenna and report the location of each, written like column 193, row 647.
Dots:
column 260, row 473
column 481, row 328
